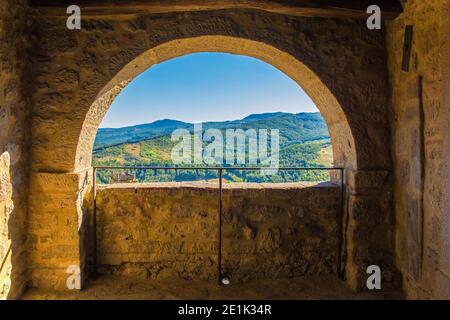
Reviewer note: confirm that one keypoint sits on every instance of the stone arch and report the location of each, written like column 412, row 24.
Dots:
column 89, row 67
column 336, row 61
column 341, row 134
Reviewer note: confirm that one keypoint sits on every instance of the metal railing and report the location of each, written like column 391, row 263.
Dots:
column 220, row 171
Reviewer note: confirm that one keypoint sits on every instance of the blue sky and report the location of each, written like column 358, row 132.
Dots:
column 206, row 87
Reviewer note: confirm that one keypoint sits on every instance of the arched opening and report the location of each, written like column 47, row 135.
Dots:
column 238, row 225
column 67, row 170
column 274, row 232
column 341, row 137
column 210, row 92
column 6, row 239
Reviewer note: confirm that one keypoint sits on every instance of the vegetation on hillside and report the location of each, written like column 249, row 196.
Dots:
column 304, row 142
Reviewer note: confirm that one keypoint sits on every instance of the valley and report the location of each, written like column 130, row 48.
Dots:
column 304, row 142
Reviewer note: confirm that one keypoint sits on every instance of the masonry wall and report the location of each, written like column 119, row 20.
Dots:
column 73, row 67
column 169, row 231
column 420, row 119
column 57, row 229
column 81, row 71
column 14, row 137
column 76, row 68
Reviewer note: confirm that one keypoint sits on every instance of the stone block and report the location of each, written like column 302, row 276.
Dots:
column 367, row 179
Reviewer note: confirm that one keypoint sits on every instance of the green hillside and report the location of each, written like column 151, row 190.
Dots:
column 304, row 142
column 293, row 128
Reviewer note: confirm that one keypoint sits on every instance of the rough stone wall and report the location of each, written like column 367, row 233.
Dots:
column 443, row 286
column 80, row 72
column 6, row 208
column 75, row 67
column 57, row 233
column 14, row 136
column 369, row 228
column 420, row 117
column 167, row 231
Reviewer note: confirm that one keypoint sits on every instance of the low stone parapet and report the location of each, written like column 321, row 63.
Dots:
column 170, row 230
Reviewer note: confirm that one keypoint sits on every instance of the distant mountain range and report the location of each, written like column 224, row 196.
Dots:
column 304, row 142
column 294, row 128
column 112, row 136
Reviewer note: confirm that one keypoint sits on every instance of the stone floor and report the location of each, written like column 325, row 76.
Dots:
column 109, row 287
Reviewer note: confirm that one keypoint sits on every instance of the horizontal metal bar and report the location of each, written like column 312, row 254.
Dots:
column 217, row 168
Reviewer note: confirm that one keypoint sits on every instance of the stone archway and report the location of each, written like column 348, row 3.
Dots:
column 82, row 72
column 79, row 66
column 340, row 132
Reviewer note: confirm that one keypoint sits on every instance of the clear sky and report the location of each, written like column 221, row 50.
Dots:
column 206, row 87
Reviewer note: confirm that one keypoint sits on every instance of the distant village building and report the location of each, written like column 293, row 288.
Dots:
column 123, row 177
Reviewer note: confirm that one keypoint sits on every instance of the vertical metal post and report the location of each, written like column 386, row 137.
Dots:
column 219, row 249
column 94, row 220
column 340, row 224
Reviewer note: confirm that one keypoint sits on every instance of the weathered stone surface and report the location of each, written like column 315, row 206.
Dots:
column 80, row 76
column 369, row 227
column 6, row 208
column 420, row 180
column 57, row 227
column 62, row 82
column 15, row 107
column 308, row 57
column 174, row 232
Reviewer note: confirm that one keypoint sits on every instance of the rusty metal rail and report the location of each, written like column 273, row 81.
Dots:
column 220, row 170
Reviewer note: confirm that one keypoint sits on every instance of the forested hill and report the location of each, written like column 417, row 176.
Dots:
column 304, row 142
column 294, row 128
